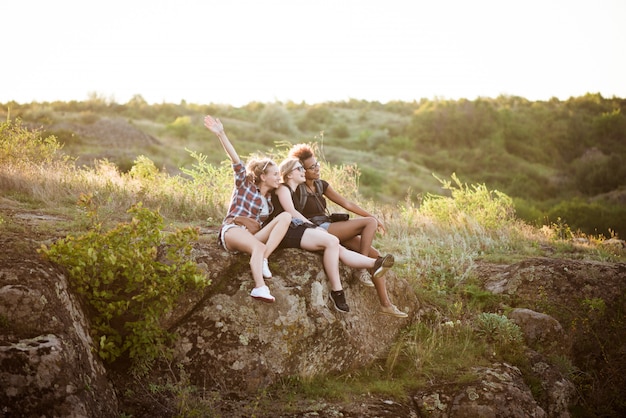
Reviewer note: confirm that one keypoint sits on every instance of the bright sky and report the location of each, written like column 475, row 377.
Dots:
column 239, row 51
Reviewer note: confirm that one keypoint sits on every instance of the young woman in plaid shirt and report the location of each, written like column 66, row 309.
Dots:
column 250, row 205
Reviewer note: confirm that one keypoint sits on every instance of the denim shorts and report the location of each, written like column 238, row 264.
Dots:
column 222, row 233
column 325, row 225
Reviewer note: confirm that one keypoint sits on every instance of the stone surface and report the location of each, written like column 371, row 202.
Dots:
column 232, row 340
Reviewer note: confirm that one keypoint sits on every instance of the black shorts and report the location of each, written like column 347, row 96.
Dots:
column 293, row 236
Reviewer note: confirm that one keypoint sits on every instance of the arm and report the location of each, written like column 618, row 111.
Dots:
column 215, row 126
column 284, row 196
column 335, row 197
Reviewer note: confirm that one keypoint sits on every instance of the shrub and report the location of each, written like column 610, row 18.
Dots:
column 475, row 203
column 180, row 128
column 277, row 119
column 130, row 277
column 498, row 329
column 19, row 146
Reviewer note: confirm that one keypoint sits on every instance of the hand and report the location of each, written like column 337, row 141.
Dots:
column 213, row 125
column 381, row 227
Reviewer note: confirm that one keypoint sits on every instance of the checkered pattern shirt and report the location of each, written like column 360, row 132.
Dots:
column 246, row 199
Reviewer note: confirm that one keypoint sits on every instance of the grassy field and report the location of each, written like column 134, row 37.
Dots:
column 438, row 226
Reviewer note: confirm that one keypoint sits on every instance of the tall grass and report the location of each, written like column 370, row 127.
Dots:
column 33, row 166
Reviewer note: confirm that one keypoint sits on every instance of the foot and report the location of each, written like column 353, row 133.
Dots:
column 393, row 311
column 267, row 274
column 262, row 293
column 382, row 265
column 339, row 299
column 363, row 276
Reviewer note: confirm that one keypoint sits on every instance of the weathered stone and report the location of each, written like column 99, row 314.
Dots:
column 499, row 391
column 537, row 327
column 47, row 365
column 231, row 340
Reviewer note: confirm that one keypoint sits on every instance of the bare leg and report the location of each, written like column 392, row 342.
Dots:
column 239, row 239
column 274, row 232
column 316, row 240
column 347, row 230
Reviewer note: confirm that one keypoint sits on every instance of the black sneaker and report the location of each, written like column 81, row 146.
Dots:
column 339, row 299
column 382, row 265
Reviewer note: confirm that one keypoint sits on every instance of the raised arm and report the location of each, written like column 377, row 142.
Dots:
column 214, row 125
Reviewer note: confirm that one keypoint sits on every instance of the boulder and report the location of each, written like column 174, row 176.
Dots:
column 498, row 391
column 47, row 363
column 230, row 340
column 538, row 328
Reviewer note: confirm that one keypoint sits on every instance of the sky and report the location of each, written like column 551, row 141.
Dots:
column 241, row 51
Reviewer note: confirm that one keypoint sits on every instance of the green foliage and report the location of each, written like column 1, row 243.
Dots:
column 20, row 146
column 436, row 351
column 130, row 276
column 277, row 119
column 590, row 218
column 598, row 173
column 213, row 183
column 498, row 329
column 180, row 128
column 467, row 204
column 340, row 131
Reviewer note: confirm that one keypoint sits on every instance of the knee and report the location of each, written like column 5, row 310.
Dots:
column 332, row 241
column 257, row 247
column 369, row 224
column 284, row 217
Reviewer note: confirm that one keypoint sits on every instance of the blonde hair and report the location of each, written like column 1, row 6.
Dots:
column 287, row 166
column 256, row 167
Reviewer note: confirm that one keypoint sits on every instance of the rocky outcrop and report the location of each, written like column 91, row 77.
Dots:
column 47, row 364
column 230, row 340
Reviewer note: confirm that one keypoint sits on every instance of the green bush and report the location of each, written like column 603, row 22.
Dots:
column 130, row 277
column 180, row 128
column 490, row 209
column 591, row 218
column 20, row 146
column 276, row 118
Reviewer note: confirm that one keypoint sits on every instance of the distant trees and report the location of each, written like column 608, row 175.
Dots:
column 540, row 152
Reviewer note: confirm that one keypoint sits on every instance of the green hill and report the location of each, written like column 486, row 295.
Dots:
column 561, row 161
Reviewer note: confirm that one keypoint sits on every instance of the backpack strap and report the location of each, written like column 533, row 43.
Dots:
column 319, row 187
column 302, row 194
column 301, row 197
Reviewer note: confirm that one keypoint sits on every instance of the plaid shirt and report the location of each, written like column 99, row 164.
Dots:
column 246, row 198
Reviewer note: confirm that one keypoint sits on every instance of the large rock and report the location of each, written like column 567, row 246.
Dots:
column 538, row 328
column 231, row 340
column 47, row 363
column 499, row 391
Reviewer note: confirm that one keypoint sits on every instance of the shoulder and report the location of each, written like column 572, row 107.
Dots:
column 300, row 188
column 323, row 183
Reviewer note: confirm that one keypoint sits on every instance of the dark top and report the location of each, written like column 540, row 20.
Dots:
column 293, row 236
column 315, row 204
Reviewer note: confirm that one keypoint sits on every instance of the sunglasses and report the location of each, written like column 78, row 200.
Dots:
column 265, row 166
column 299, row 168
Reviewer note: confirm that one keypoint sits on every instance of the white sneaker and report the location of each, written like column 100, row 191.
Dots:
column 262, row 293
column 267, row 274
